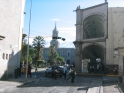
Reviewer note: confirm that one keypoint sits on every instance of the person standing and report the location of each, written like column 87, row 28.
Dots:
column 65, row 71
column 69, row 73
column 36, row 69
column 72, row 74
column 54, row 71
column 29, row 71
column 23, row 69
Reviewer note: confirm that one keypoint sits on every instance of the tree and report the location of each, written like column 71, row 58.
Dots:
column 24, row 52
column 52, row 55
column 38, row 44
column 60, row 60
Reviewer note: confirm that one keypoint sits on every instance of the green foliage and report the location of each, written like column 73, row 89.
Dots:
column 24, row 53
column 61, row 59
column 38, row 44
column 53, row 56
column 40, row 63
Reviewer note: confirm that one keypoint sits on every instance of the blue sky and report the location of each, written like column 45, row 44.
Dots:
column 46, row 12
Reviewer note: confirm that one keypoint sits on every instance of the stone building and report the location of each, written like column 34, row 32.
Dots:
column 67, row 53
column 100, row 34
column 11, row 29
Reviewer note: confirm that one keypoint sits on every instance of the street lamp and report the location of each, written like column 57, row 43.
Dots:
column 1, row 37
column 28, row 42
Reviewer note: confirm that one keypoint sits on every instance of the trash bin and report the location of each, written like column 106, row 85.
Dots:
column 120, row 79
column 18, row 72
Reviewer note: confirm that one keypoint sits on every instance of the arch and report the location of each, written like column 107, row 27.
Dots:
column 93, row 26
column 96, row 13
column 93, row 51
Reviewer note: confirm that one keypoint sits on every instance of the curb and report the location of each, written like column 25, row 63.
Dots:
column 28, row 83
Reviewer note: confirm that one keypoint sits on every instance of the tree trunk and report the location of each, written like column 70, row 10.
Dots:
column 38, row 54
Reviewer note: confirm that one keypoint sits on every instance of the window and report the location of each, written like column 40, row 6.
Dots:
column 6, row 56
column 9, row 56
column 68, row 54
column 3, row 55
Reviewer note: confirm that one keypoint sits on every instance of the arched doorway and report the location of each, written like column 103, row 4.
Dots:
column 94, row 58
column 68, row 62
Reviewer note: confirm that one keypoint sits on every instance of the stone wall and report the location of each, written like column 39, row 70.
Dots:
column 11, row 25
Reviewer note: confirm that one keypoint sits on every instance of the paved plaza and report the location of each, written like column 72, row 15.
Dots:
column 41, row 84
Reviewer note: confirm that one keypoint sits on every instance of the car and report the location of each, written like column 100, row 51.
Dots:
column 59, row 71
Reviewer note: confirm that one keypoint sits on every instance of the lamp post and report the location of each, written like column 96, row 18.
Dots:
column 28, row 42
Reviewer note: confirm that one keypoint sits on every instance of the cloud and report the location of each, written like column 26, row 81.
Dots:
column 69, row 33
column 55, row 19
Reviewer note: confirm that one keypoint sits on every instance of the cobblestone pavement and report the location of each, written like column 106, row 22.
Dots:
column 49, row 85
column 42, row 84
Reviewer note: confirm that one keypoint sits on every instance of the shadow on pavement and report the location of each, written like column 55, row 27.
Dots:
column 111, row 84
column 84, row 81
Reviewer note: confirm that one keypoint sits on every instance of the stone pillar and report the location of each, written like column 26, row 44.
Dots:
column 121, row 63
column 79, row 32
column 78, row 57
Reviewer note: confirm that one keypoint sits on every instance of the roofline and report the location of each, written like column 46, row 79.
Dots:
column 92, row 6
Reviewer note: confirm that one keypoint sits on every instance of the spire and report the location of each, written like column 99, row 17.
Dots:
column 55, row 26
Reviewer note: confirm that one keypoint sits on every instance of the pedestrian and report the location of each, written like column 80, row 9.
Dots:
column 72, row 74
column 65, row 71
column 54, row 71
column 69, row 73
column 23, row 69
column 115, row 70
column 29, row 71
column 90, row 68
column 36, row 69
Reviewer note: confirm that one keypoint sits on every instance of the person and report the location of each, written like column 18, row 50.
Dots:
column 29, row 71
column 115, row 70
column 65, row 71
column 71, row 74
column 36, row 69
column 23, row 69
column 97, row 67
column 90, row 68
column 54, row 70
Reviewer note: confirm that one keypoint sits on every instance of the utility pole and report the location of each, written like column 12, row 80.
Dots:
column 28, row 42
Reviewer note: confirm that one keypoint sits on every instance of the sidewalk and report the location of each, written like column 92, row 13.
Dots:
column 23, row 81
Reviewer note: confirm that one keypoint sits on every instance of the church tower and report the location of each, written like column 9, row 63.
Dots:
column 55, row 42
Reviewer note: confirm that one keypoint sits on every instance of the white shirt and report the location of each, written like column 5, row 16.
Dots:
column 65, row 69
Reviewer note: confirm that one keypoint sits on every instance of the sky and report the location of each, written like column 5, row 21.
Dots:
column 45, row 13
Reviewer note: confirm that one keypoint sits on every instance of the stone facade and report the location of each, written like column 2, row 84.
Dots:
column 67, row 53
column 99, row 34
column 11, row 27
